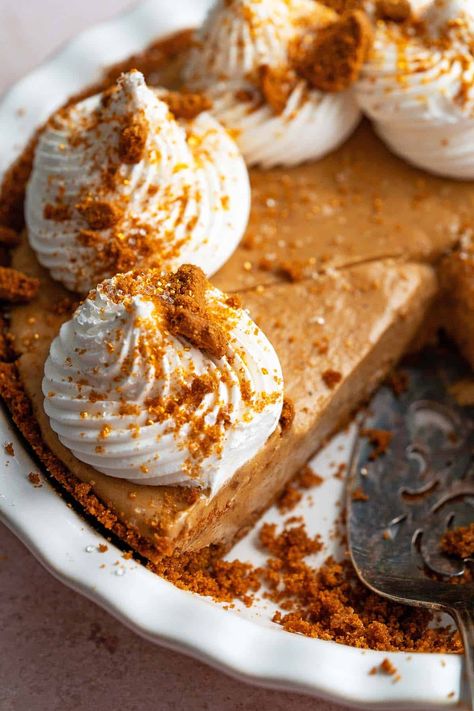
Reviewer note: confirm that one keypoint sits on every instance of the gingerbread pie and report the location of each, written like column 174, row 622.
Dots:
column 220, row 252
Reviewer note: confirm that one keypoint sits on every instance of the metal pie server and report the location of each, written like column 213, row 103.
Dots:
column 401, row 501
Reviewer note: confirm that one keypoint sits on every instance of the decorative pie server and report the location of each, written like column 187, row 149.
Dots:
column 414, row 485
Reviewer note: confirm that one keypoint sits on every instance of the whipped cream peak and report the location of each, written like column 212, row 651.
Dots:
column 418, row 87
column 119, row 182
column 242, row 38
column 161, row 379
column 129, row 94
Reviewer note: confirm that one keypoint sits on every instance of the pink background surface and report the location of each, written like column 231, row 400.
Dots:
column 58, row 651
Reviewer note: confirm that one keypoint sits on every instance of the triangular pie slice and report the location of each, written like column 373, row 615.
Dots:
column 336, row 335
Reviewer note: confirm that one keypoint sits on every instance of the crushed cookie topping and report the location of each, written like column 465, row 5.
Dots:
column 277, row 85
column 325, row 601
column 188, row 315
column 459, row 542
column 331, row 378
column 287, row 414
column 133, row 138
column 99, row 214
column 380, row 441
column 332, row 59
column 186, row 104
column 311, row 45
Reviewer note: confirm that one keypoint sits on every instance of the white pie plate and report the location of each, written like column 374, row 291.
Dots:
column 243, row 642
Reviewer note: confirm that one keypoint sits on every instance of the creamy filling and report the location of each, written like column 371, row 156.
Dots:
column 119, row 183
column 135, row 399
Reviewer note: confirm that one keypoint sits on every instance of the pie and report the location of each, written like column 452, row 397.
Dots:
column 350, row 257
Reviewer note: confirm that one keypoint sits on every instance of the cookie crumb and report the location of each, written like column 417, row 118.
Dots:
column 394, row 10
column 234, row 301
column 188, row 315
column 459, row 542
column 132, row 140
column 99, row 214
column 386, row 667
column 342, row 6
column 379, row 439
column 35, row 479
column 8, row 447
column 292, row 494
column 289, row 499
column 16, row 287
column 332, row 59
column 359, row 495
column 331, row 378
column 277, row 85
column 307, row 478
column 187, row 105
column 287, row 414
column 57, row 213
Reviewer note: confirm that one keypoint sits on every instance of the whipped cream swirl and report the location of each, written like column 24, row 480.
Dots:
column 418, row 87
column 119, row 183
column 136, row 402
column 238, row 39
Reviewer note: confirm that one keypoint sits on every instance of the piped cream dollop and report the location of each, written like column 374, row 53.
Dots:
column 162, row 379
column 118, row 183
column 418, row 87
column 244, row 43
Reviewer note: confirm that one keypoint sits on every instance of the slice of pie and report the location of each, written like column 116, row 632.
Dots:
column 337, row 336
